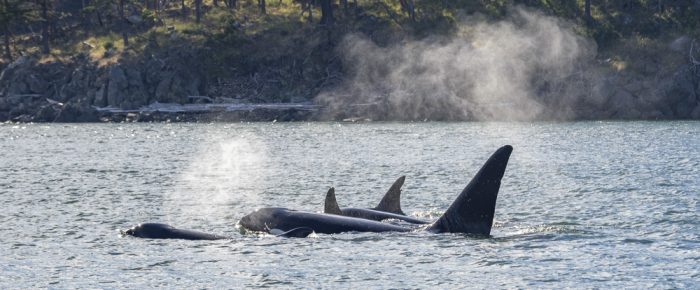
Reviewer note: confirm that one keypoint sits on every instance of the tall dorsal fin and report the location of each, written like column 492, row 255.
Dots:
column 331, row 205
column 472, row 212
column 392, row 199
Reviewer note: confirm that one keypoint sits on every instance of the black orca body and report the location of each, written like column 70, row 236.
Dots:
column 331, row 207
column 278, row 218
column 472, row 212
column 163, row 231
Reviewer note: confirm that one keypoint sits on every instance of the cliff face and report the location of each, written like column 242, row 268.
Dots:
column 658, row 83
column 70, row 90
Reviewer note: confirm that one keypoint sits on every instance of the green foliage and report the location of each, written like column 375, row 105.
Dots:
column 15, row 12
column 241, row 41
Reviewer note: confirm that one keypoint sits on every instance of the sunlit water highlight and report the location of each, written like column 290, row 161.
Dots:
column 591, row 204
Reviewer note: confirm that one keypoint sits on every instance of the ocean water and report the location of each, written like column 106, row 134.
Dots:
column 582, row 205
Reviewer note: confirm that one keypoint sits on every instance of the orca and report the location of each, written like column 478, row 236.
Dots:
column 472, row 211
column 391, row 202
column 164, row 231
column 331, row 207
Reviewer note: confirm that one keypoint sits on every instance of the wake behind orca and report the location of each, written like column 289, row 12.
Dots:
column 472, row 212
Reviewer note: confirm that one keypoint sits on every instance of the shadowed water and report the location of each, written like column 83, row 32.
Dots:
column 590, row 204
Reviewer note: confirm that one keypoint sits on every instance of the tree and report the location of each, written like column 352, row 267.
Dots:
column 326, row 12
column 261, row 4
column 410, row 9
column 13, row 13
column 124, row 23
column 45, row 6
column 587, row 11
column 96, row 7
column 198, row 10
column 344, row 4
column 231, row 4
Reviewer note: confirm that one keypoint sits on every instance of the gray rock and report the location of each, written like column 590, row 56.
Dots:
column 17, row 87
column 117, row 84
column 656, row 115
column 101, row 96
column 601, row 93
column 696, row 113
column 622, row 100
column 635, row 86
column 163, row 91
column 629, row 114
column 684, row 110
column 134, row 19
column 36, row 85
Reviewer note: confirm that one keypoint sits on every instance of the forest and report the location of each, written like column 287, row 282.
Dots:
column 107, row 60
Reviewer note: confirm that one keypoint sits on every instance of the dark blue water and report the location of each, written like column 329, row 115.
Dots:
column 590, row 204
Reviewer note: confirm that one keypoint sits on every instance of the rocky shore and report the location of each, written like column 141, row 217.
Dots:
column 136, row 89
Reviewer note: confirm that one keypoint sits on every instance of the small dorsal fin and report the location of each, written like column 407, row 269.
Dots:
column 392, row 199
column 331, row 205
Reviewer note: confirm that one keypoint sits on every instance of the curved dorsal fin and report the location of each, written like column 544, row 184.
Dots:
column 472, row 212
column 331, row 205
column 392, row 199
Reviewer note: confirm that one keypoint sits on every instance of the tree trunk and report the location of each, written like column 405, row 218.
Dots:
column 125, row 24
column 8, row 41
column 344, row 3
column 310, row 7
column 326, row 12
column 45, row 25
column 409, row 7
column 587, row 11
column 198, row 10
column 86, row 20
column 261, row 4
column 99, row 19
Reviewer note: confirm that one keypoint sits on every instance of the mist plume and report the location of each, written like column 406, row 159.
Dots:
column 527, row 66
column 224, row 171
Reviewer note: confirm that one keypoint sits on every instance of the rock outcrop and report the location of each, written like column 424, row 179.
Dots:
column 71, row 90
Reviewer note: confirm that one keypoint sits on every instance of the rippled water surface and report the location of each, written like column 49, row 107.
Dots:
column 591, row 204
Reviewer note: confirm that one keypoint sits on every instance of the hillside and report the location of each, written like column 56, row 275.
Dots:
column 379, row 60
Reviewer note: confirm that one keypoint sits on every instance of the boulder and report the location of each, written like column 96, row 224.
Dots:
column 695, row 114
column 35, row 84
column 602, row 92
column 101, row 96
column 77, row 112
column 116, row 86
